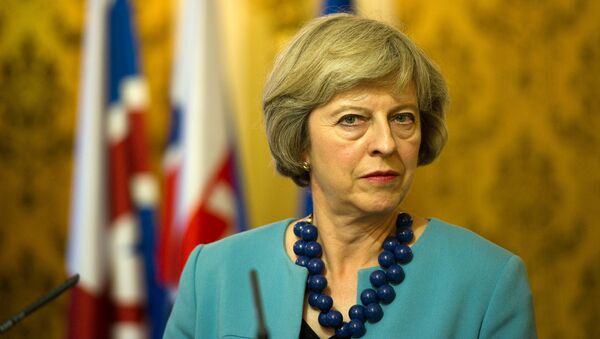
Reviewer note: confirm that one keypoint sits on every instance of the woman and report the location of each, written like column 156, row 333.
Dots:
column 352, row 107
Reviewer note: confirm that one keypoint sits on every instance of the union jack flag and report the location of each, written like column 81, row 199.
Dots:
column 112, row 228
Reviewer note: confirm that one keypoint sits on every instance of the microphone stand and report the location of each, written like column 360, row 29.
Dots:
column 39, row 303
column 261, row 332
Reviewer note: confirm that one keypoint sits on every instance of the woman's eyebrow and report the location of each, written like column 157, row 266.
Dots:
column 404, row 106
column 351, row 107
column 343, row 108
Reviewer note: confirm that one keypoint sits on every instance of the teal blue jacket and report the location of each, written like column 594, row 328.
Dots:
column 458, row 285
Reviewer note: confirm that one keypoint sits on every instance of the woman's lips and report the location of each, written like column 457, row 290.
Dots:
column 381, row 176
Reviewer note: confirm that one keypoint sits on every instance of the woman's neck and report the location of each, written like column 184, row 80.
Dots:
column 350, row 243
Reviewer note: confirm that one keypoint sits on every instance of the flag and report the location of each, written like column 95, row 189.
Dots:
column 202, row 194
column 111, row 240
column 336, row 6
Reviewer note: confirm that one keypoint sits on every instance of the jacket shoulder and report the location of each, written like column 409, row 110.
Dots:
column 248, row 248
column 466, row 245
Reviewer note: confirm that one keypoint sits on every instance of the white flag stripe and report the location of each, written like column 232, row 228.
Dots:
column 126, row 263
column 222, row 201
column 144, row 190
column 172, row 158
column 117, row 125
column 129, row 330
column 85, row 254
column 134, row 91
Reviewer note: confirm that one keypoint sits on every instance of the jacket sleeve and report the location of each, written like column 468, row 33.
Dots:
column 510, row 311
column 182, row 321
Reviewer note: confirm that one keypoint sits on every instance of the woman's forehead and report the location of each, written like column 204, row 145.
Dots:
column 364, row 90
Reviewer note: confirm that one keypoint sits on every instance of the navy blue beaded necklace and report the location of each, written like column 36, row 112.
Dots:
column 395, row 252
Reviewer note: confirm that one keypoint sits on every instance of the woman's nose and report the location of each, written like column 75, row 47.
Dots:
column 382, row 141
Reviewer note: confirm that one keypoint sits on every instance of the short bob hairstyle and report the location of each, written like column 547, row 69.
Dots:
column 336, row 53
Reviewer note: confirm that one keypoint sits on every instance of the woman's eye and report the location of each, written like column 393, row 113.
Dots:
column 350, row 119
column 404, row 118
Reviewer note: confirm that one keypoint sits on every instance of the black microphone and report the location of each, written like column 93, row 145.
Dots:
column 72, row 281
column 261, row 332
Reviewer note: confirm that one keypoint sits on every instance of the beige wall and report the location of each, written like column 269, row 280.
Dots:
column 521, row 166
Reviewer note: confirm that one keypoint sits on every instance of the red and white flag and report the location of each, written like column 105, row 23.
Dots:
column 202, row 200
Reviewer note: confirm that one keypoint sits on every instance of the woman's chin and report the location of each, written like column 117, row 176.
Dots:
column 381, row 207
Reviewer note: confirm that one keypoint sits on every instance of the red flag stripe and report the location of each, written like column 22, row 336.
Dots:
column 88, row 314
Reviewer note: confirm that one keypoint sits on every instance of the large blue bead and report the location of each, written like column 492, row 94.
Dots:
column 405, row 235
column 395, row 274
column 299, row 227
column 368, row 296
column 377, row 278
column 344, row 331
column 302, row 261
column 357, row 327
column 386, row 294
column 403, row 220
column 373, row 312
column 390, row 243
column 324, row 302
column 309, row 232
column 357, row 312
column 316, row 283
column 315, row 266
column 313, row 297
column 299, row 247
column 312, row 249
column 386, row 258
column 334, row 319
column 323, row 319
column 403, row 254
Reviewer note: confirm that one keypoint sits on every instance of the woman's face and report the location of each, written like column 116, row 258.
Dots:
column 364, row 150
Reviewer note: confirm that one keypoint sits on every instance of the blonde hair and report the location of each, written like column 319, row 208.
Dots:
column 336, row 53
